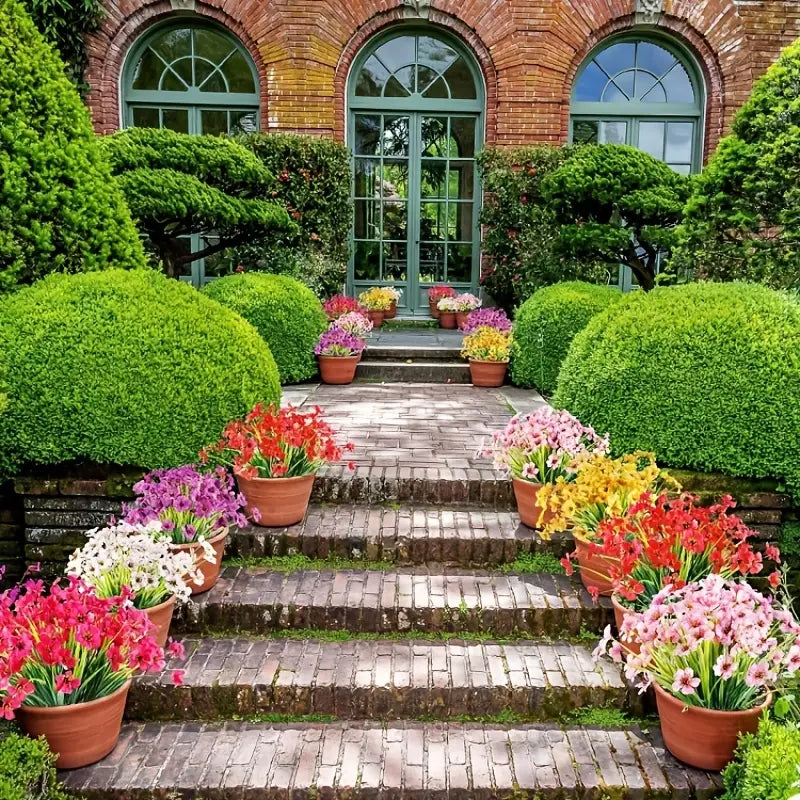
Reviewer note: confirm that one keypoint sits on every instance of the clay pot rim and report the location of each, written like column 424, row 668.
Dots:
column 525, row 480
column 282, row 478
column 53, row 711
column 484, row 361
column 663, row 694
column 219, row 537
column 337, row 358
column 170, row 601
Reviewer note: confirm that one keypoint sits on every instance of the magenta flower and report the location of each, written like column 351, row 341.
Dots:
column 487, row 317
column 339, row 343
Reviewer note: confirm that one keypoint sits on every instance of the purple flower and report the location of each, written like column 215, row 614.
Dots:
column 487, row 317
column 189, row 532
column 338, row 342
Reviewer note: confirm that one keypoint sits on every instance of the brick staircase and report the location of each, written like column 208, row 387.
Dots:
column 442, row 669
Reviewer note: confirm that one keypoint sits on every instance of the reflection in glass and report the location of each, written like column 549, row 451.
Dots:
column 651, row 138
column 431, row 263
column 616, row 58
column 459, row 263
column 371, row 78
column 433, row 221
column 395, row 136
column 367, row 219
column 367, row 175
column 614, row 132
column 585, row 131
column 145, row 117
column 367, row 134
column 367, row 261
column 435, row 143
column 395, row 219
column 395, row 261
column 214, row 122
column 679, row 142
column 176, row 119
column 462, row 137
column 433, row 179
column 395, row 179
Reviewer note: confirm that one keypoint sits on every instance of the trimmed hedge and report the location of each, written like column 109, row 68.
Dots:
column 127, row 368
column 60, row 210
column 546, row 324
column 705, row 375
column 286, row 313
column 27, row 770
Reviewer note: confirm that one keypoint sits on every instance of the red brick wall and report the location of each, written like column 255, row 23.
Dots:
column 529, row 51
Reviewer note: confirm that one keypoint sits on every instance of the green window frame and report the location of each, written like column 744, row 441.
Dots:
column 416, row 106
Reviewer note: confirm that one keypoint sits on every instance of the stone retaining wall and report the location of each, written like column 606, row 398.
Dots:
column 12, row 528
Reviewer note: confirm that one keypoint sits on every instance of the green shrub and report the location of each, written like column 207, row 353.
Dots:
column 27, row 770
column 127, row 368
column 546, row 324
column 286, row 313
column 765, row 767
column 60, row 211
column 519, row 228
column 325, row 276
column 742, row 221
column 705, row 375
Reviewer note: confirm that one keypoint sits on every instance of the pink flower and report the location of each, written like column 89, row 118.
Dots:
column 176, row 649
column 177, row 677
column 66, row 683
column 724, row 667
column 530, row 472
column 757, row 674
column 685, row 681
column 793, row 659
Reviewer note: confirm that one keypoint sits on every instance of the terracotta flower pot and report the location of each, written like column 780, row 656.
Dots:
column 392, row 312
column 702, row 737
column 619, row 615
column 209, row 571
column 434, row 309
column 80, row 734
column 525, row 493
column 376, row 318
column 461, row 318
column 161, row 617
column 447, row 319
column 281, row 501
column 338, row 370
column 487, row 373
column 595, row 569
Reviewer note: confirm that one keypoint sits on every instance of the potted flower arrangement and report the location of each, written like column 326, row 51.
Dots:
column 539, row 448
column 598, row 488
column 487, row 318
column 447, row 307
column 391, row 313
column 338, row 353
column 356, row 323
column 465, row 303
column 196, row 510
column 436, row 293
column 488, row 351
column 377, row 301
column 66, row 661
column 128, row 556
column 275, row 454
column 341, row 304
column 715, row 651
column 661, row 541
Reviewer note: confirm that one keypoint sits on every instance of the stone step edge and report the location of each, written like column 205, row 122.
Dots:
column 372, row 760
column 373, row 679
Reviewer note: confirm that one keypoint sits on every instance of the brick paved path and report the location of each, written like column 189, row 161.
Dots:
column 379, row 679
column 259, row 600
column 240, row 759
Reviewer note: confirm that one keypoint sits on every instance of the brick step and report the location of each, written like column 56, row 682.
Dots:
column 415, row 372
column 381, row 352
column 369, row 760
column 256, row 600
column 373, row 679
column 406, row 535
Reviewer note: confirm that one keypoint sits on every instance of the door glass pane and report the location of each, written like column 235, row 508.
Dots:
column 176, row 119
column 459, row 79
column 679, row 142
column 459, row 263
column 395, row 136
column 462, row 137
column 367, row 261
column 243, row 121
column 145, row 117
column 651, row 138
column 461, row 180
column 214, row 122
column 395, row 178
column 585, row 131
column 367, row 177
column 435, row 143
column 395, row 219
column 367, row 219
column 395, row 261
column 614, row 132
column 239, row 74
column 433, row 179
column 367, row 134
column 460, row 221
column 431, row 263
column 433, row 221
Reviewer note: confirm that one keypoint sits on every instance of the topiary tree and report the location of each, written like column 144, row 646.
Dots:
column 617, row 205
column 60, row 211
column 519, row 227
column 126, row 368
column 286, row 313
column 705, row 375
column 546, row 324
column 742, row 220
column 178, row 185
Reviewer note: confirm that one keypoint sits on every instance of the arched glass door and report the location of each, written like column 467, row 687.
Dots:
column 416, row 124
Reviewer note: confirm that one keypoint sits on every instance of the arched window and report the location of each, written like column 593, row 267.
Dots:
column 416, row 103
column 191, row 78
column 645, row 93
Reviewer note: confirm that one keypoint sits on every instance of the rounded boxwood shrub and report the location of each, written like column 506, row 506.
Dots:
column 705, row 375
column 545, row 325
column 286, row 313
column 124, row 367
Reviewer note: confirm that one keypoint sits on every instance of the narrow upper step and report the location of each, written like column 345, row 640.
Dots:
column 370, row 760
column 374, row 679
column 405, row 535
column 260, row 600
column 405, row 370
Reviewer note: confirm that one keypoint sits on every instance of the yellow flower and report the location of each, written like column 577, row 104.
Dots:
column 379, row 298
column 601, row 488
column 487, row 344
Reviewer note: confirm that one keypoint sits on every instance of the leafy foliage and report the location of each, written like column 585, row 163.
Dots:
column 287, row 315
column 177, row 184
column 124, row 368
column 545, row 326
column 520, row 228
column 617, row 205
column 742, row 220
column 313, row 183
column 27, row 770
column 765, row 767
column 705, row 375
column 59, row 209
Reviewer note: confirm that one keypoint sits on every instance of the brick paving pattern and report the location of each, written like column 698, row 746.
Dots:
column 239, row 759
column 259, row 600
column 365, row 679
column 406, row 535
